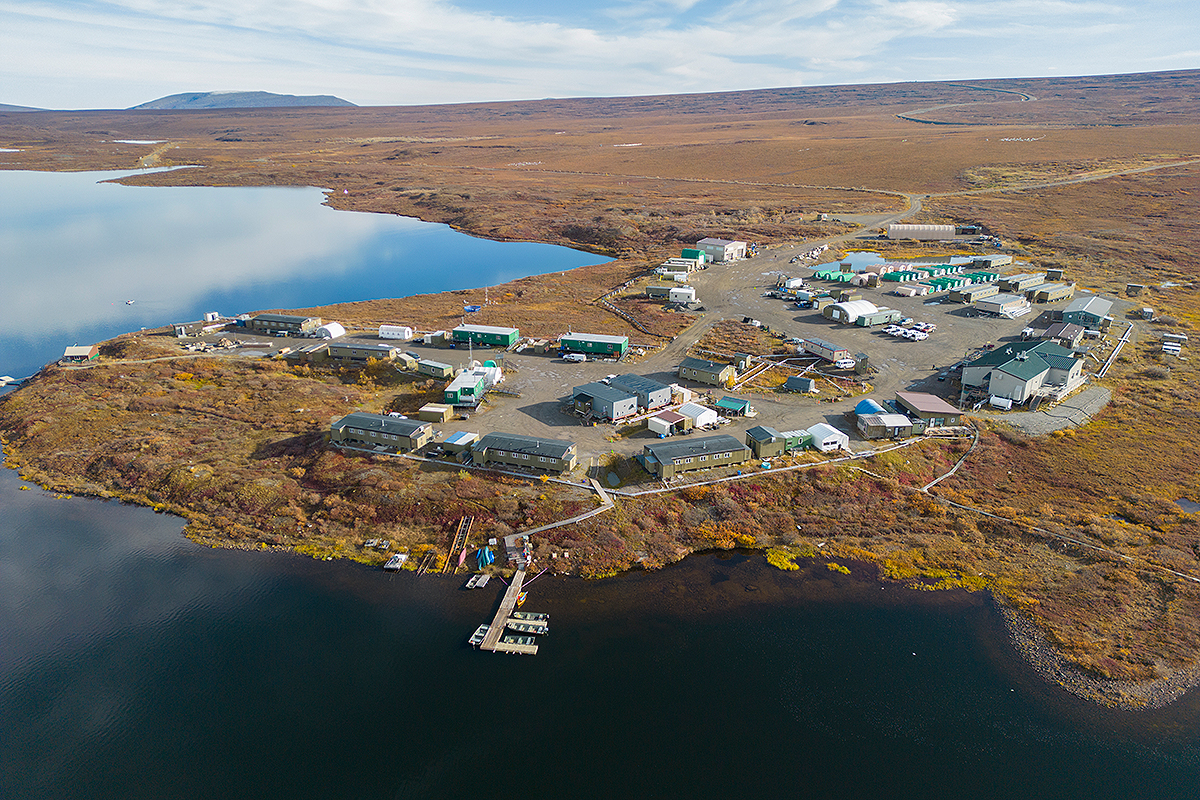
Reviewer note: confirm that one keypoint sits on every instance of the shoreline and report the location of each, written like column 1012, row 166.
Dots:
column 1036, row 651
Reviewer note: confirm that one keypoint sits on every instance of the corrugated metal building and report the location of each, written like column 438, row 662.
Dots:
column 925, row 233
column 848, row 312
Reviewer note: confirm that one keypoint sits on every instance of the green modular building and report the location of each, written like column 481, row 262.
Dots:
column 486, row 334
column 595, row 343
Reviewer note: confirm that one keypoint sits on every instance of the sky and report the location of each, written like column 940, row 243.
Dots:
column 74, row 54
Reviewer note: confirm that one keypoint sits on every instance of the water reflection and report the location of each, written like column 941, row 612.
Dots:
column 75, row 250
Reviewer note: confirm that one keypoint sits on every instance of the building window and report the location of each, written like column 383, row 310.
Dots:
column 687, row 461
column 705, row 458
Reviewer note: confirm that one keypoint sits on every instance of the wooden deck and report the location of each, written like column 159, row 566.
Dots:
column 507, row 604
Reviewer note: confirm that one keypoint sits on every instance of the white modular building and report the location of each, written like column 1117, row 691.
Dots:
column 722, row 250
column 682, row 294
column 402, row 332
column 827, row 438
column 924, row 233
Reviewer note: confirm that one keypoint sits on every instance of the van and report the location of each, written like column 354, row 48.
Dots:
column 576, row 357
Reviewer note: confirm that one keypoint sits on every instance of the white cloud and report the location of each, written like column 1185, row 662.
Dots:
column 422, row 51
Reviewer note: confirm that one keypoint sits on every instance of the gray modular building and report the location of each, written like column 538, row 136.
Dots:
column 1088, row 311
column 669, row 458
column 512, row 449
column 381, row 432
column 603, row 401
column 650, row 393
column 283, row 324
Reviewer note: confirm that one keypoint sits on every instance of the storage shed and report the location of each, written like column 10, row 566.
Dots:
column 330, row 330
column 884, row 426
column 79, row 353
column 850, row 311
column 668, row 423
column 459, row 442
column 435, row 412
column 701, row 416
column 764, row 441
column 595, row 343
column 826, row 438
column 486, row 334
column 658, row 292
column 799, row 383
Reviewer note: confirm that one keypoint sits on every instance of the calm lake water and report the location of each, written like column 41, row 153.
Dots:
column 135, row 664
column 75, row 250
column 138, row 665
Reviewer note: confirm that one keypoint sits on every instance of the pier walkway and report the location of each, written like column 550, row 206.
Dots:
column 509, row 602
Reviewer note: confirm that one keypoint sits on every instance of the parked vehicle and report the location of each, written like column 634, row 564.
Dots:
column 844, row 363
column 578, row 358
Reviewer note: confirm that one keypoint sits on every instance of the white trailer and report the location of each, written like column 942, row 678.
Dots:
column 402, row 332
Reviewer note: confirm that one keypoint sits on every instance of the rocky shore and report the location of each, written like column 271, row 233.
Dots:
column 1033, row 646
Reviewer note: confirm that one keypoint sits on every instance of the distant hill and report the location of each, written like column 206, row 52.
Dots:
column 239, row 100
column 5, row 107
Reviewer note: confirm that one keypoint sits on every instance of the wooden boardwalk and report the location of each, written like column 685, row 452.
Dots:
column 459, row 543
column 507, row 604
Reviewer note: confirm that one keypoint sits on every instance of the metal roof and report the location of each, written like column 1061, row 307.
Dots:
column 637, row 384
column 1024, row 368
column 823, row 429
column 926, row 403
column 602, row 391
column 290, row 318
column 486, row 329
column 670, row 417
column 596, row 337
column 683, row 448
column 378, row 422
column 733, row 403
column 721, row 242
column 516, row 443
column 764, row 433
column 702, row 364
column 1093, row 304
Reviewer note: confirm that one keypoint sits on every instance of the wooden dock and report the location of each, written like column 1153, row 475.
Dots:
column 507, row 604
column 459, row 543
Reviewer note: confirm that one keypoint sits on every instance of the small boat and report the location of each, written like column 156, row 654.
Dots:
column 531, row 616
column 396, row 561
column 128, row 302
column 478, row 636
column 527, row 627
column 521, row 599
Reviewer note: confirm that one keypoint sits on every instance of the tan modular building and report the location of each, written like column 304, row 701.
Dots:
column 667, row 459
column 1051, row 292
column 885, row 426
column 704, row 371
column 1006, row 305
column 929, row 407
column 973, row 292
column 531, row 452
column 436, row 412
column 434, row 369
column 345, row 350
column 382, row 433
column 1022, row 282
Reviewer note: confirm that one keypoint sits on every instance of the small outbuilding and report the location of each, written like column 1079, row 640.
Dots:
column 435, row 412
column 733, row 407
column 765, row 442
column 799, row 383
column 884, row 426
column 80, row 353
column 827, row 438
column 929, row 407
column 668, row 423
column 701, row 416
column 682, row 294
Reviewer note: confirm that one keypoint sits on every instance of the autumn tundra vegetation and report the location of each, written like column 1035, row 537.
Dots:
column 1077, row 532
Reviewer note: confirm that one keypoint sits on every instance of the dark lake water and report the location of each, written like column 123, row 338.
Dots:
column 74, row 250
column 138, row 665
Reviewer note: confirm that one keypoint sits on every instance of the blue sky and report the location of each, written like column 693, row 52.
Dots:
column 92, row 54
